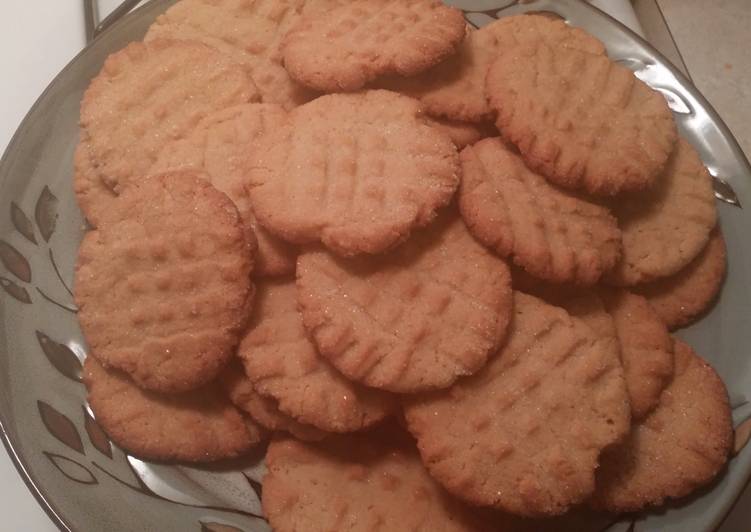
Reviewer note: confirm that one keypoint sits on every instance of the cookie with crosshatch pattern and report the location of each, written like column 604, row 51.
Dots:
column 163, row 284
column 538, row 416
column 283, row 364
column 146, row 96
column 200, row 426
column 417, row 318
column 357, row 172
column 352, row 43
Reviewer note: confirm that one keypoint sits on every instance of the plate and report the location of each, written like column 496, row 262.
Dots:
column 86, row 483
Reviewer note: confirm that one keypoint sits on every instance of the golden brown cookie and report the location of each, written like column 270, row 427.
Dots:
column 681, row 446
column 537, row 416
column 415, row 319
column 283, row 364
column 163, row 284
column 93, row 196
column 580, row 119
column 151, row 93
column 263, row 410
column 550, row 233
column 357, row 172
column 200, row 426
column 646, row 349
column 343, row 48
column 248, row 32
column 666, row 227
column 462, row 133
column 369, row 482
column 455, row 88
column 680, row 299
column 219, row 147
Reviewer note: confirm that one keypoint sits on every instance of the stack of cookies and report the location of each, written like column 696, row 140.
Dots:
column 435, row 267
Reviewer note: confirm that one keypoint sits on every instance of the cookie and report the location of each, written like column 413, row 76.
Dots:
column 455, row 88
column 646, row 349
column 357, row 483
column 680, row 299
column 415, row 319
column 262, row 410
column 681, row 446
column 550, row 233
column 283, row 364
column 462, row 133
column 93, row 196
column 538, row 416
column 163, row 284
column 249, row 33
column 146, row 96
column 200, row 426
column 219, row 147
column 666, row 227
column 352, row 44
column 360, row 170
column 580, row 119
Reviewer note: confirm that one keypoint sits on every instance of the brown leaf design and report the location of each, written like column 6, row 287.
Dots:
column 257, row 487
column 97, row 436
column 218, row 527
column 724, row 192
column 15, row 262
column 61, row 356
column 14, row 290
column 45, row 213
column 742, row 435
column 71, row 469
column 22, row 223
column 60, row 426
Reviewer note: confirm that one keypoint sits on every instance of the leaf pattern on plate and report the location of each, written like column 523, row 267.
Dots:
column 18, row 292
column 14, row 262
column 60, row 356
column 724, row 192
column 22, row 223
column 218, row 527
column 257, row 487
column 742, row 435
column 71, row 469
column 97, row 436
column 60, row 426
column 45, row 213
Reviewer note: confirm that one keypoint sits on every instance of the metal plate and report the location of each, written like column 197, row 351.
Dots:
column 84, row 483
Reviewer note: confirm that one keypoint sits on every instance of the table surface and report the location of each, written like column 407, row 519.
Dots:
column 34, row 27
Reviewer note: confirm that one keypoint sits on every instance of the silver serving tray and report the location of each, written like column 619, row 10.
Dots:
column 85, row 483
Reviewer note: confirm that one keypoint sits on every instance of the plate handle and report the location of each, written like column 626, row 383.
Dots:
column 91, row 16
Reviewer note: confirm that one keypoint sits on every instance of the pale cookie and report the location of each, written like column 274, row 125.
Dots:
column 248, row 32
column 219, row 147
column 366, row 483
column 646, row 349
column 283, row 364
column 666, row 227
column 415, row 319
column 680, row 299
column 462, row 133
column 681, row 446
column 537, row 416
column 357, row 172
column 352, row 44
column 456, row 88
column 93, row 196
column 263, row 410
column 580, row 119
column 551, row 234
column 163, row 284
column 200, row 426
column 149, row 94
